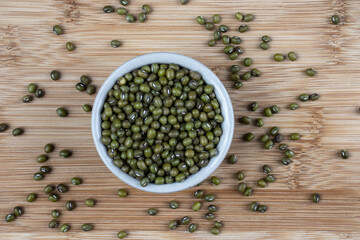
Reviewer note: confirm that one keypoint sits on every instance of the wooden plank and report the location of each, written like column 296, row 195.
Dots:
column 29, row 51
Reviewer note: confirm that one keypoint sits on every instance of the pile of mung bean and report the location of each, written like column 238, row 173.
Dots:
column 161, row 123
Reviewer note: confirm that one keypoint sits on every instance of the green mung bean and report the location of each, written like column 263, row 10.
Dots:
column 31, row 197
column 278, row 57
column 115, row 43
column 70, row 46
column 254, row 206
column 45, row 169
column 283, row 146
column 293, row 106
column 42, row 158
column 310, row 72
column 200, row 20
column 122, row 234
column 249, row 137
column 262, row 183
column 18, row 211
column 237, row 85
column 65, row 227
column 240, row 176
column 124, row 2
column 146, row 9
column 262, row 208
column 268, row 144
column 53, row 224
column 55, row 213
column 247, row 62
column 245, row 120
column 209, row 26
column 61, row 112
column 108, row 9
column 209, row 197
column 199, row 193
column 65, row 153
column 209, row 216
column 215, row 230
column 289, row 153
column 239, row 16
column 27, row 98
column 70, row 205
column 38, row 176
column 243, row 28
column 266, row 169
column 3, row 127
column 48, row 148
column 215, row 180
column 235, row 40
column 196, row 206
column 76, row 181
column 335, row 19
column 216, row 18
column 121, row 11
column 53, row 197
column 122, row 193
column 173, row 224
column 266, row 39
column 248, row 191
column 285, row 161
column 344, row 154
column 152, row 211
column 248, row 17
column 253, row 106
column 32, row 87
column 57, row 30
column 292, row 56
column 39, row 93
column 130, row 18
column 264, row 138
column 304, row 97
column 315, row 197
column 223, row 28
column 86, row 108
column 314, row 96
column 62, row 188
column 294, row 136
column 48, row 189
column 264, row 46
column 212, row 42
column 241, row 187
column 90, row 202
column 259, row 122
column 87, row 227
column 55, row 75
column 267, row 112
column 173, row 204
column 192, row 227
column 270, row 178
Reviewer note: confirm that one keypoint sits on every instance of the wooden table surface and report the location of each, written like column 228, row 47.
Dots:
column 29, row 51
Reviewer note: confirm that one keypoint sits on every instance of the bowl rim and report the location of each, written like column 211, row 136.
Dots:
column 208, row 76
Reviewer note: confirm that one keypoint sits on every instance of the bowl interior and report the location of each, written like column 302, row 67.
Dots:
column 208, row 76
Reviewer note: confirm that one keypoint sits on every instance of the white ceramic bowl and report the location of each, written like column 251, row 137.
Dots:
column 208, row 76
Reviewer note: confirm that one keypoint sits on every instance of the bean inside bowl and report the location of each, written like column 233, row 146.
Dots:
column 218, row 154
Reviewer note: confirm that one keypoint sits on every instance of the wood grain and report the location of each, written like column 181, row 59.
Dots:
column 29, row 51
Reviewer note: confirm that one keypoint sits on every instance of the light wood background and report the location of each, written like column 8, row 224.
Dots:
column 29, row 51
